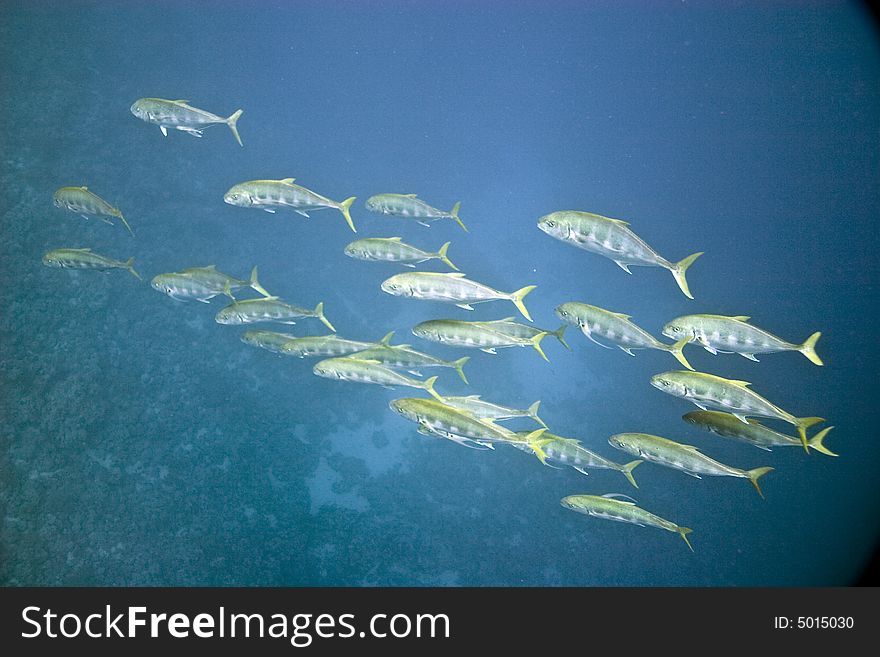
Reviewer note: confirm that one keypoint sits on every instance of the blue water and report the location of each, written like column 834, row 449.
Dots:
column 143, row 443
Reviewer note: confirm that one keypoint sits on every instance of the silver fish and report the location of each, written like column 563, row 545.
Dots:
column 86, row 259
column 179, row 115
column 86, row 204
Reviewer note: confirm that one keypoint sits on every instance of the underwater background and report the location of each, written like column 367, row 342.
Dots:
column 145, row 444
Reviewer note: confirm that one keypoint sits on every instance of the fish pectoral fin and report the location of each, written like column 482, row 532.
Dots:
column 490, row 350
column 742, row 418
column 623, row 265
column 750, row 357
column 189, row 131
column 203, row 301
column 269, row 210
column 711, row 350
column 424, row 223
column 84, row 217
column 764, row 447
column 406, row 264
column 106, row 221
column 692, row 474
column 465, row 306
column 414, row 372
column 626, row 349
column 592, row 339
column 164, row 130
column 702, row 407
column 303, row 213
column 582, row 471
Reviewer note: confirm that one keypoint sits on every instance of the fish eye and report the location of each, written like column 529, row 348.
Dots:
column 551, row 223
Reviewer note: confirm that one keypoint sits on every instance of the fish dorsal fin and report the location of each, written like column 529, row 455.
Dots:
column 371, row 361
column 501, row 321
column 741, row 318
column 488, row 421
column 690, row 448
column 621, row 315
column 84, row 250
column 387, row 339
column 570, row 441
column 271, row 298
column 410, row 195
column 393, row 239
column 287, row 181
column 452, row 274
column 84, row 188
column 741, row 384
column 472, row 396
column 620, row 497
column 179, row 101
column 620, row 222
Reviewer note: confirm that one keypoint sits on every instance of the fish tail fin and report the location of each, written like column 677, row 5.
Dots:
column 683, row 532
column 536, row 444
column 386, row 341
column 536, row 343
column 255, row 283
column 319, row 313
column 679, row 268
column 558, row 333
column 232, row 122
column 344, row 209
column 129, row 265
column 517, row 298
column 442, row 255
column 428, row 385
column 533, row 413
column 808, row 348
column 677, row 350
column 816, row 442
column 459, row 367
column 804, row 423
column 454, row 214
column 124, row 222
column 756, row 474
column 627, row 471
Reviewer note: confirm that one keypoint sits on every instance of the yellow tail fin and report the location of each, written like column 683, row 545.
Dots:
column 804, row 423
column 677, row 350
column 319, row 313
column 344, row 208
column 808, row 348
column 454, row 215
column 536, row 443
column 255, row 283
column 816, row 442
column 232, row 122
column 683, row 532
column 517, row 298
column 536, row 343
column 442, row 255
column 119, row 214
column 429, row 387
column 755, row 474
column 678, row 270
column 533, row 413
column 459, row 367
column 129, row 265
column 559, row 333
column 627, row 471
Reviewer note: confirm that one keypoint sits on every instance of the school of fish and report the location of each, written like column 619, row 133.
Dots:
column 727, row 407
